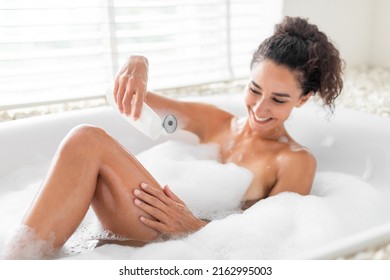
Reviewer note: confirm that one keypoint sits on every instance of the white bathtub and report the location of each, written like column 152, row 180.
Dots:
column 350, row 142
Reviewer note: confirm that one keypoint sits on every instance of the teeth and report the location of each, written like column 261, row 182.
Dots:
column 261, row 119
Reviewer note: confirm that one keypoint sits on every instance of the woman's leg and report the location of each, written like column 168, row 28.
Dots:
column 90, row 167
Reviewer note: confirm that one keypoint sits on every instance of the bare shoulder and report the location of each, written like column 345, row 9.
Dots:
column 296, row 169
column 294, row 154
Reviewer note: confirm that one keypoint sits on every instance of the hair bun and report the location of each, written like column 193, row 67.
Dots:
column 297, row 27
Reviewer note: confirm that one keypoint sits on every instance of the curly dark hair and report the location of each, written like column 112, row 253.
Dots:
column 307, row 51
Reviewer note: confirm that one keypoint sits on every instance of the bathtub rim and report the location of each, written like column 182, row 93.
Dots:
column 369, row 239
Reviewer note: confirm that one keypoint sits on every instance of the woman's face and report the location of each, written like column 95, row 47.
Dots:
column 271, row 94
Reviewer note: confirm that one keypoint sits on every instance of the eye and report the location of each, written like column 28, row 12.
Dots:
column 253, row 91
column 279, row 101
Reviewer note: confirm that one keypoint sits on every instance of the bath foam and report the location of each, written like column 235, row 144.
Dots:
column 26, row 245
column 22, row 188
column 279, row 227
column 14, row 205
column 210, row 189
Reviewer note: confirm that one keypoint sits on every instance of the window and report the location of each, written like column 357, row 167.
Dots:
column 51, row 51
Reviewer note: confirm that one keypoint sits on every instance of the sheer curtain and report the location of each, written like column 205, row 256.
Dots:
column 53, row 51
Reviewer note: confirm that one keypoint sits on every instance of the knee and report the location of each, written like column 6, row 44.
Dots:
column 87, row 132
column 83, row 139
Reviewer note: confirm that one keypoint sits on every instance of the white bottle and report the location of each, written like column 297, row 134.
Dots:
column 149, row 123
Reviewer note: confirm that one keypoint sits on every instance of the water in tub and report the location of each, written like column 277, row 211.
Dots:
column 278, row 227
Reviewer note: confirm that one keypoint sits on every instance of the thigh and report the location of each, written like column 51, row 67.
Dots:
column 113, row 201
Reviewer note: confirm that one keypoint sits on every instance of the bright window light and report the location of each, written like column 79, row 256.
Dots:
column 54, row 51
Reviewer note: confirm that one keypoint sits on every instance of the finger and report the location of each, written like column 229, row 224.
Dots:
column 126, row 103
column 171, row 195
column 154, row 224
column 152, row 211
column 115, row 90
column 138, row 103
column 120, row 95
column 156, row 192
column 151, row 200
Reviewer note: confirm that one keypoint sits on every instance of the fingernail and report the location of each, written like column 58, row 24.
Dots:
column 137, row 192
column 144, row 186
column 136, row 201
column 142, row 219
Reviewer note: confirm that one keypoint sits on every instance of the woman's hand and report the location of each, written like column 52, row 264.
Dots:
column 172, row 217
column 130, row 85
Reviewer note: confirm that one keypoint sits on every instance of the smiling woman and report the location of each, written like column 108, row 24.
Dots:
column 92, row 168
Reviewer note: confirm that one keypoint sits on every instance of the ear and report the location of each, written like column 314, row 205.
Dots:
column 303, row 99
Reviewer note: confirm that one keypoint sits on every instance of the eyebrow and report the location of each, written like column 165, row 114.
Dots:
column 275, row 93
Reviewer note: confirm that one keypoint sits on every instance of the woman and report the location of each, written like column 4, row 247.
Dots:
column 92, row 168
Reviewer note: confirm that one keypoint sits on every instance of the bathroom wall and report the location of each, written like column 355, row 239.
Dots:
column 360, row 28
column 380, row 49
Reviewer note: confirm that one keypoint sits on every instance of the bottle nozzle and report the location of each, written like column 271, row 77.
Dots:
column 170, row 124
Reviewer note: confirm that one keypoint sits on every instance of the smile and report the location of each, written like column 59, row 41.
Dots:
column 262, row 119
column 259, row 119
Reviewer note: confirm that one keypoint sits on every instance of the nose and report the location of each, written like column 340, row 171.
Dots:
column 260, row 107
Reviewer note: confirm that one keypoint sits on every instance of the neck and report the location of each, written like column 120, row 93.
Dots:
column 273, row 134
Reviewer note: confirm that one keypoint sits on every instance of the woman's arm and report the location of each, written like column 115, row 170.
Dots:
column 130, row 92
column 196, row 117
